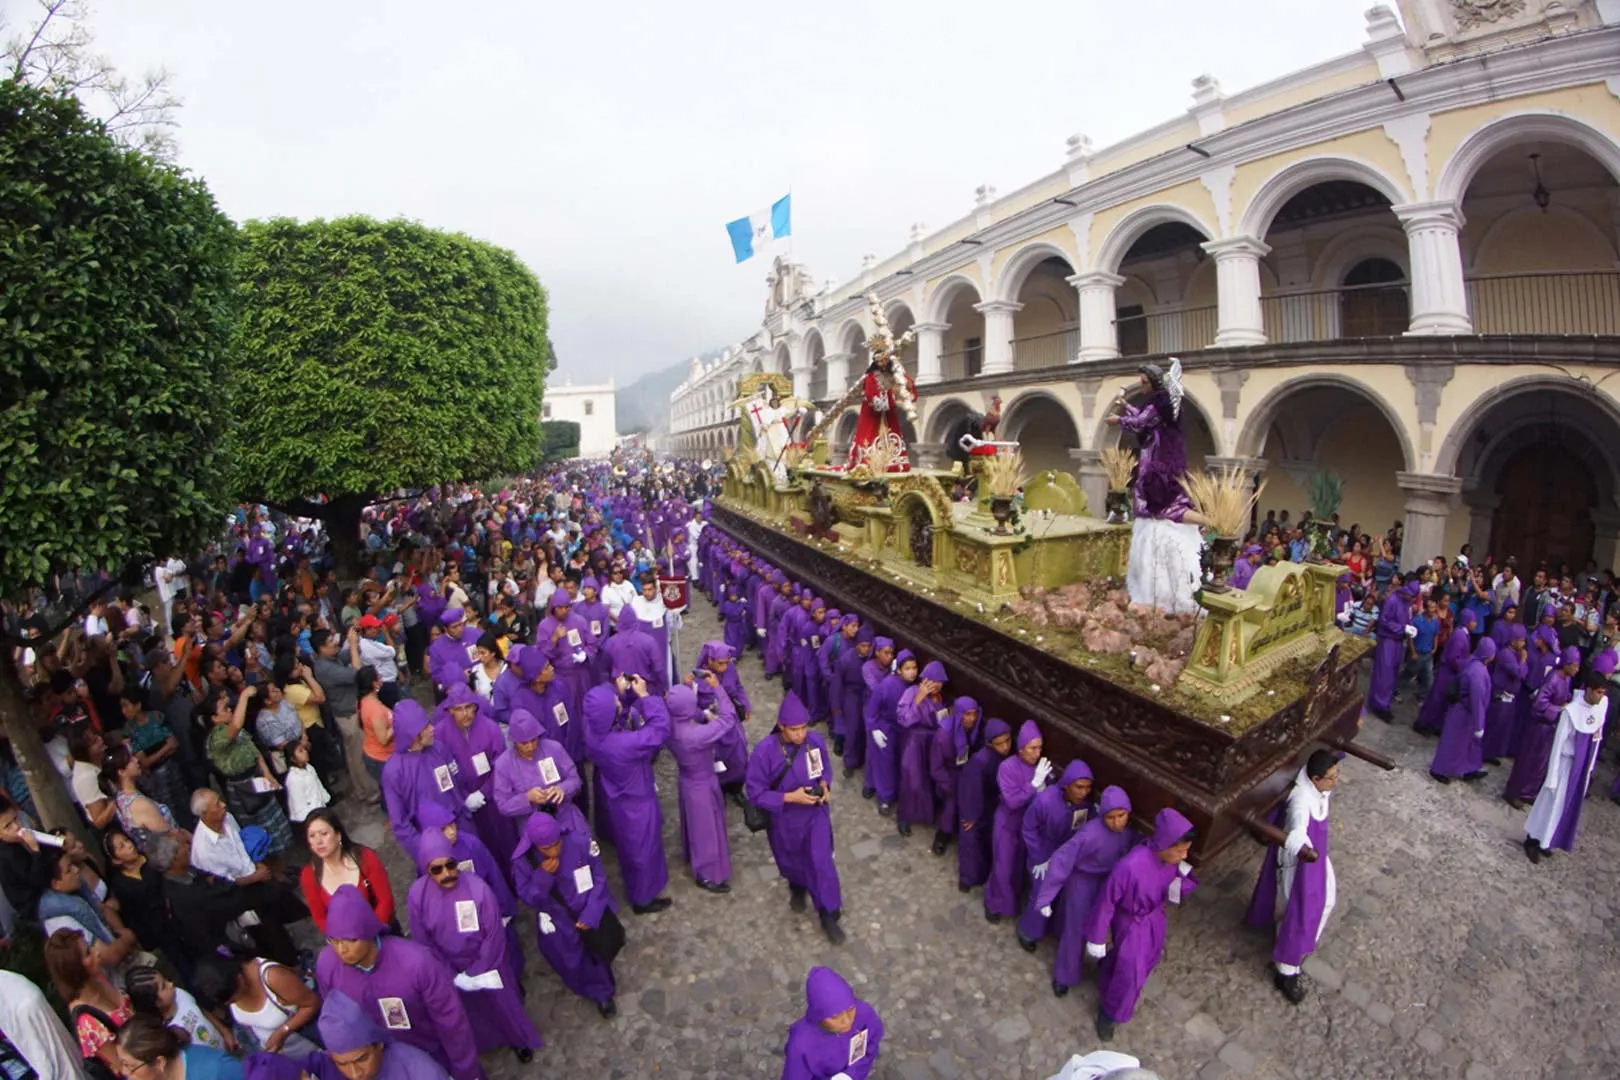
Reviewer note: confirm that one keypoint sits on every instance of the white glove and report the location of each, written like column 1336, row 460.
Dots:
column 762, row 632
column 719, row 768
column 475, row 802
column 546, row 925
column 1096, row 952
column 1043, row 772
column 1046, row 912
column 1038, row 871
column 464, row 981
column 506, row 920
column 841, row 1076
column 1343, row 617
column 881, row 739
column 1480, row 734
column 1184, row 868
column 1411, row 631
column 579, row 656
column 489, row 980
column 1174, row 895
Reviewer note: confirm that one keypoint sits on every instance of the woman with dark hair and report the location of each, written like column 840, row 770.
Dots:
column 139, row 817
column 152, row 1050
column 376, row 723
column 87, row 751
column 236, row 758
column 138, row 888
column 96, row 1008
column 340, row 861
column 152, row 994
column 268, row 1000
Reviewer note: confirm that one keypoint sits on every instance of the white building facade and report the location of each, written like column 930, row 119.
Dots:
column 1401, row 265
column 591, row 407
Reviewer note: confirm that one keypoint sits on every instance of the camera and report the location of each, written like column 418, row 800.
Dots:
column 818, row 789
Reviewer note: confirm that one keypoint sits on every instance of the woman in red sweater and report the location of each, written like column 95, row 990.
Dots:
column 339, row 861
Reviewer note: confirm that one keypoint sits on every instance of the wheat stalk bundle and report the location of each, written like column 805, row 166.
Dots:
column 1005, row 474
column 1118, row 464
column 1223, row 498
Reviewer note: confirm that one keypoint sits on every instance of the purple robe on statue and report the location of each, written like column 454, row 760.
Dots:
column 915, row 723
column 1447, row 670
column 1015, row 784
column 1163, row 457
column 345, row 1027
column 976, row 800
column 957, row 740
column 1391, row 631
column 1507, row 683
column 559, row 902
column 1074, row 875
column 801, row 837
column 1535, row 748
column 476, row 750
column 462, row 925
column 882, row 742
column 1291, row 894
column 413, row 777
column 623, row 755
column 695, row 737
column 409, row 989
column 1049, row 823
column 1460, row 750
column 813, row 1052
column 1131, row 907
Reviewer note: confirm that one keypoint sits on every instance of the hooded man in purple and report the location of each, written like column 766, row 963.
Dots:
column 1556, row 816
column 536, row 773
column 1529, row 773
column 830, row 663
column 631, row 650
column 790, row 779
column 1018, row 779
column 471, row 854
column 883, row 745
column 451, row 655
column 839, row 1035
column 622, row 743
column 420, row 772
column 1447, row 671
column 1131, row 907
column 560, row 876
column 803, row 640
column 401, row 983
column 695, row 739
column 1460, row 752
column 826, row 671
column 1507, row 684
column 1297, row 889
column 732, row 750
column 355, row 1047
column 734, row 612
column 590, row 608
column 1075, row 873
column 463, row 727
column 456, row 915
column 1393, row 630
column 775, row 640
column 530, row 683
column 976, row 799
column 918, row 714
column 956, row 740
column 849, row 736
column 1243, row 569
column 571, row 649
column 1054, row 815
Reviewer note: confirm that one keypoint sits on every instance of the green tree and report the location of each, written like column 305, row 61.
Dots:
column 379, row 356
column 116, row 311
column 560, row 439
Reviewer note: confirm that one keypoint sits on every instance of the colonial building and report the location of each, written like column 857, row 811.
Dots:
column 1399, row 265
column 591, row 407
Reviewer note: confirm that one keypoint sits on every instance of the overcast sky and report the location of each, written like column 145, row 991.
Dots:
column 608, row 143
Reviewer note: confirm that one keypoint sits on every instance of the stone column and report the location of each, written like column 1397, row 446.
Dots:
column 1606, row 539
column 930, row 345
column 998, row 333
column 1482, row 507
column 1439, row 297
column 801, row 382
column 1099, row 338
column 1093, row 481
column 837, row 375
column 1237, row 284
column 1428, row 505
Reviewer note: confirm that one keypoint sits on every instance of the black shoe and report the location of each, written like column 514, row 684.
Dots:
column 1289, row 987
column 1059, row 990
column 849, row 773
column 1383, row 714
column 903, row 828
column 838, row 745
column 1477, row 774
column 1105, row 1028
column 829, row 926
column 652, row 907
column 797, row 898
column 1519, row 804
column 609, row 1008
column 992, row 917
column 713, row 886
column 886, row 809
column 964, row 889
column 866, row 793
column 739, row 798
column 942, row 840
column 1024, row 942
column 1493, row 761
column 524, row 1055
column 1439, row 778
column 1532, row 849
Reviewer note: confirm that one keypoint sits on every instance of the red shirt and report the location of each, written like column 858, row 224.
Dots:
column 373, row 882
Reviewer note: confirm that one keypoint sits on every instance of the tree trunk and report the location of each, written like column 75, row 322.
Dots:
column 45, row 784
column 342, row 519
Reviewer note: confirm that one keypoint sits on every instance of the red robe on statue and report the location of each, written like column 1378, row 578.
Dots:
column 880, row 421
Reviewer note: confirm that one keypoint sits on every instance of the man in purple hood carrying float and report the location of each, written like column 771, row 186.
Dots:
column 839, row 1035
column 622, row 741
column 1393, row 629
column 1075, row 874
column 420, row 771
column 1297, row 888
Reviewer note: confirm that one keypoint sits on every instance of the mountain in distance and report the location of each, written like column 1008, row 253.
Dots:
column 644, row 404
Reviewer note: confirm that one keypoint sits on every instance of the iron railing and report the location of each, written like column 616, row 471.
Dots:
column 962, row 363
column 1045, row 350
column 1551, row 302
column 1167, row 331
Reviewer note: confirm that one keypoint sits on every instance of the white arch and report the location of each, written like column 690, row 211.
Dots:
column 781, row 358
column 939, row 301
column 1344, row 251
column 1292, row 179
column 814, row 334
column 1479, row 147
column 1471, row 258
column 891, row 306
column 1129, row 229
column 1023, row 262
column 943, row 414
column 1257, row 426
column 851, row 334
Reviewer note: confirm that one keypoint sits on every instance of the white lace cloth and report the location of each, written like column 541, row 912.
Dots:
column 1163, row 571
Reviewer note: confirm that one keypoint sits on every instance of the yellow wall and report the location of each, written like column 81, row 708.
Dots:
column 1447, row 130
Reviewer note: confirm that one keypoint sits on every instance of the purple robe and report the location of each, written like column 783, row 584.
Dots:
column 469, row 851
column 1162, row 459
column 422, row 1007
column 411, row 778
column 462, row 925
column 655, row 623
column 1242, row 573
column 344, row 1028
column 623, row 756
column 734, row 614
column 551, row 706
column 449, row 659
column 1049, row 823
column 631, row 650
column 1131, row 906
column 813, row 1052
column 516, row 776
column 833, row 642
column 1460, row 751
column 804, row 678
column 1390, row 630
column 1074, row 876
column 571, row 655
column 775, row 642
column 801, row 837
column 558, row 901
column 883, row 760
column 1535, row 748
column 1449, row 668
column 1015, row 785
column 915, row 724
column 1502, row 716
column 1291, row 894
column 1556, row 816
column 476, row 750
column 853, row 690
column 732, row 750
column 949, row 750
column 694, row 740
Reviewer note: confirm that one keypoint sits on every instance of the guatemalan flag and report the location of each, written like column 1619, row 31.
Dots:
column 748, row 233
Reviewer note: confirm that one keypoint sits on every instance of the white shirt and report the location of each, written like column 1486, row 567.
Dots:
column 85, row 780
column 221, row 854
column 616, row 596
column 380, row 655
column 170, row 578
column 305, row 793
column 542, row 595
column 35, row 1030
column 95, row 626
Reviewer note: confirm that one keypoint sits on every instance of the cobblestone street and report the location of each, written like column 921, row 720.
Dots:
column 1449, row 954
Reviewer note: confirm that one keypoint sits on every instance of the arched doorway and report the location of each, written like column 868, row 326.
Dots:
column 815, row 357
column 1545, row 516
column 962, row 350
column 1043, row 429
column 1373, row 300
column 1045, row 329
column 1179, row 312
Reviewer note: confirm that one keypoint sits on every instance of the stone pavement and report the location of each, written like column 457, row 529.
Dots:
column 1449, row 954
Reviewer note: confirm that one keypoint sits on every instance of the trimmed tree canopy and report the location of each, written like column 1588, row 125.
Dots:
column 561, row 439
column 372, row 356
column 115, row 305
